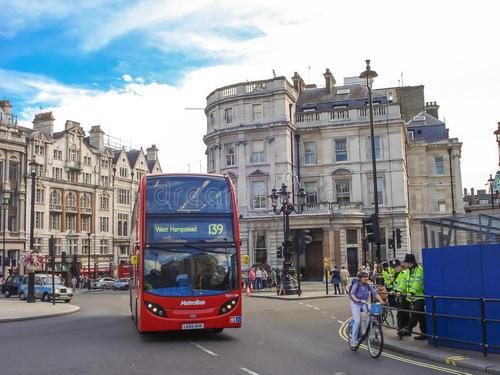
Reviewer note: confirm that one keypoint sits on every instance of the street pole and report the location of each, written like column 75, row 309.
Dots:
column 52, row 252
column 88, row 262
column 31, row 273
column 5, row 206
column 490, row 180
column 369, row 75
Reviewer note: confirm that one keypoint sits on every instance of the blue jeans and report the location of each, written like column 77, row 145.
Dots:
column 356, row 315
column 258, row 282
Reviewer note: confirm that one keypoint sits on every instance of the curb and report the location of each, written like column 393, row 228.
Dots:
column 34, row 317
column 490, row 368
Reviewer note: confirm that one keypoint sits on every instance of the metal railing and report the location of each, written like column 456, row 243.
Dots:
column 483, row 344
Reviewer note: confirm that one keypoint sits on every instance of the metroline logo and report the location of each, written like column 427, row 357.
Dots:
column 192, row 303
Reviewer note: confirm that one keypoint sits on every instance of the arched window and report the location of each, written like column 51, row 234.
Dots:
column 71, row 199
column 85, row 201
column 55, row 197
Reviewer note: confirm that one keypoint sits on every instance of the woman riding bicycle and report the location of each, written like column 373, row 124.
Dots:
column 359, row 294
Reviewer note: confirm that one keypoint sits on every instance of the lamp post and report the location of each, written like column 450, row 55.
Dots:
column 88, row 261
column 5, row 206
column 491, row 180
column 287, row 279
column 369, row 75
column 31, row 274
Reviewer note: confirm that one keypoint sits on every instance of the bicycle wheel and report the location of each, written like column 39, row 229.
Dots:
column 375, row 339
column 388, row 317
column 349, row 336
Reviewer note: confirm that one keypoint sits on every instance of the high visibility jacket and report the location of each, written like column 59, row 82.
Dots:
column 416, row 283
column 388, row 275
column 401, row 282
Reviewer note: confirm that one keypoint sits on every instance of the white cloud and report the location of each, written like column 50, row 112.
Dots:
column 426, row 40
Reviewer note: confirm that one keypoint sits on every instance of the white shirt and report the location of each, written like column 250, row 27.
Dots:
column 258, row 273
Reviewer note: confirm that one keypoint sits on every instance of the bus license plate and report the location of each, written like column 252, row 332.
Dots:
column 193, row 326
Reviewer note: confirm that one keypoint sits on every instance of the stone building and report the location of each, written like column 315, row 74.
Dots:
column 13, row 162
column 85, row 192
column 267, row 132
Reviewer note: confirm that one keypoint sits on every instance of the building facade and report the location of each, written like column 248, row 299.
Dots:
column 13, row 164
column 85, row 192
column 269, row 132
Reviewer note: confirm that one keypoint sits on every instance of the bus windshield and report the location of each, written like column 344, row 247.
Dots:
column 186, row 271
column 167, row 195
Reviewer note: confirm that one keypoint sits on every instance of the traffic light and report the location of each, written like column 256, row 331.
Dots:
column 51, row 247
column 307, row 237
column 63, row 258
column 372, row 229
column 279, row 252
column 398, row 238
column 391, row 243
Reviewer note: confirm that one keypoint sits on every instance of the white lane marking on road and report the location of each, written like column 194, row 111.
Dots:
column 301, row 303
column 308, row 305
column 324, row 312
column 340, row 321
column 205, row 349
column 248, row 371
column 315, row 308
column 331, row 316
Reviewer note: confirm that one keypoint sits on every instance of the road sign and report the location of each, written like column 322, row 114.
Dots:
column 246, row 259
column 327, row 263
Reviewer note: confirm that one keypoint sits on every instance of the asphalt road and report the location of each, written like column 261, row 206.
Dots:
column 277, row 337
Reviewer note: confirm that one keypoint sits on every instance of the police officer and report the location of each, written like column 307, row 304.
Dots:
column 388, row 275
column 415, row 292
column 397, row 297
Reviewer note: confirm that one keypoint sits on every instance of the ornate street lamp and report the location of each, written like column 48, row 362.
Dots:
column 282, row 197
column 369, row 75
column 31, row 274
column 5, row 206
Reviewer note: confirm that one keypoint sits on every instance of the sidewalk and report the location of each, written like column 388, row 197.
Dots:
column 310, row 290
column 469, row 359
column 12, row 310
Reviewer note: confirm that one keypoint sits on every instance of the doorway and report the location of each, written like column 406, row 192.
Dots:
column 352, row 261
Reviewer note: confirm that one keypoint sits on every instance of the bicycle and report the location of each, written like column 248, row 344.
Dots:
column 373, row 330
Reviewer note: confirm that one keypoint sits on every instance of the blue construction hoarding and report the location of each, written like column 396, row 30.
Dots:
column 463, row 271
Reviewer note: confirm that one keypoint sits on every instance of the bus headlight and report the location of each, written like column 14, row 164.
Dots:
column 155, row 309
column 228, row 306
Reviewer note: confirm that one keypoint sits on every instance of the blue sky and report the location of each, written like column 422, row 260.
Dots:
column 120, row 63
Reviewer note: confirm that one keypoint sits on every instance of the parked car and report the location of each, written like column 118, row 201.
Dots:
column 12, row 284
column 43, row 288
column 121, row 284
column 103, row 283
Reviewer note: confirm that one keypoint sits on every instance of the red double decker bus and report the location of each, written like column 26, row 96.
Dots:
column 185, row 265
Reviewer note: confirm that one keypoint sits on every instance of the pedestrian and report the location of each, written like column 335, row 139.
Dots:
column 251, row 277
column 397, row 298
column 415, row 280
column 344, row 279
column 73, row 282
column 336, row 279
column 258, row 278
column 265, row 276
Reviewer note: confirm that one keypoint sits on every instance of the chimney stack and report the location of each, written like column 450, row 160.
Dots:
column 298, row 82
column 96, row 137
column 472, row 192
column 465, row 191
column 432, row 109
column 152, row 153
column 44, row 122
column 329, row 81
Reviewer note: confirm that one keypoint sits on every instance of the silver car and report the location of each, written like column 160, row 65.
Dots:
column 104, row 283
